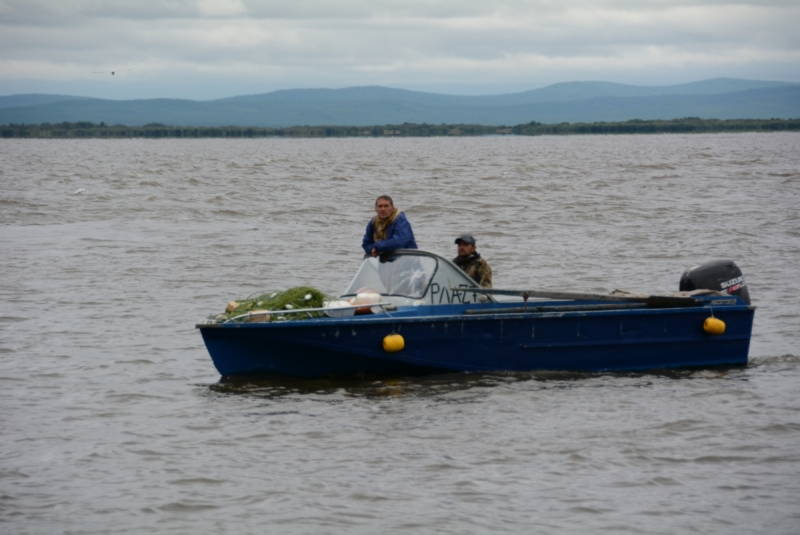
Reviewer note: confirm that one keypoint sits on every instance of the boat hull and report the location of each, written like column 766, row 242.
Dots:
column 460, row 339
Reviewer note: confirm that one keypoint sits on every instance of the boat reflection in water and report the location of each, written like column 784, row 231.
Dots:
column 413, row 312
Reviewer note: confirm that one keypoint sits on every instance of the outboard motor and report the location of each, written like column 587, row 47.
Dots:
column 718, row 275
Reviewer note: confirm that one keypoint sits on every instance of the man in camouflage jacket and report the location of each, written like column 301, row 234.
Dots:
column 471, row 262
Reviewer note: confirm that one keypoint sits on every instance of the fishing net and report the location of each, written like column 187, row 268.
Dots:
column 293, row 298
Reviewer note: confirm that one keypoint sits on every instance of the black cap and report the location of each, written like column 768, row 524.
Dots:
column 469, row 239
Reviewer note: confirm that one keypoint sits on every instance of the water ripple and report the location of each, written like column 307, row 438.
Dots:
column 114, row 419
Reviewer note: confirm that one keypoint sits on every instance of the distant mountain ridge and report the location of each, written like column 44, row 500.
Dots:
column 720, row 98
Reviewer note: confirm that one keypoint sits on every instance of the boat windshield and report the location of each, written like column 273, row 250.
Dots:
column 401, row 275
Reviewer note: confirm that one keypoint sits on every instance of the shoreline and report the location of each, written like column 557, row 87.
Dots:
column 73, row 130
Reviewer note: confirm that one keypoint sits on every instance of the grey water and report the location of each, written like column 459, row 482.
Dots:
column 114, row 420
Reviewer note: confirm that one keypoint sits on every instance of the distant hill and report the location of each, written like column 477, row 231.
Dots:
column 721, row 98
column 13, row 101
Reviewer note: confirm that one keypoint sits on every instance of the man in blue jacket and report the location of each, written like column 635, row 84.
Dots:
column 388, row 230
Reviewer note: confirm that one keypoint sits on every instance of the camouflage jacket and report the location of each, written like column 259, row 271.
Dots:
column 477, row 268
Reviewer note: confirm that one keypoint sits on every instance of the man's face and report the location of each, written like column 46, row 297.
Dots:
column 383, row 208
column 465, row 249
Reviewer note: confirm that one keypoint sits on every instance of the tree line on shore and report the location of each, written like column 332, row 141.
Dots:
column 533, row 128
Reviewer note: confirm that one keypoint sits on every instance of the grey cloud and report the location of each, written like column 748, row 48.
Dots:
column 401, row 43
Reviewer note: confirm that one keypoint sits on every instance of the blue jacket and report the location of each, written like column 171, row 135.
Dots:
column 400, row 236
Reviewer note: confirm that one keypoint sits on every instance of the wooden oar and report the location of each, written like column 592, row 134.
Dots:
column 652, row 301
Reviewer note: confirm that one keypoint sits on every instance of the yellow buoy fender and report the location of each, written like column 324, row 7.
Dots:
column 392, row 343
column 714, row 325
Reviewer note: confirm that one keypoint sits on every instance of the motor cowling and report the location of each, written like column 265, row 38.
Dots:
column 718, row 275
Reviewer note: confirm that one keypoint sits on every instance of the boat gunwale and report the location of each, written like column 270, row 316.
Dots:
column 401, row 315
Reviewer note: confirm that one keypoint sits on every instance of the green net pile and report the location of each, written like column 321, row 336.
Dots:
column 293, row 298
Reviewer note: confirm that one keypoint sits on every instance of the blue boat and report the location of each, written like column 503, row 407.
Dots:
column 414, row 312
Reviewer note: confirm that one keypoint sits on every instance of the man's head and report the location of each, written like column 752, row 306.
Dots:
column 384, row 206
column 466, row 244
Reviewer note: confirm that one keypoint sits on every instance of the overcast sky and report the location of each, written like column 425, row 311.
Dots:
column 203, row 49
